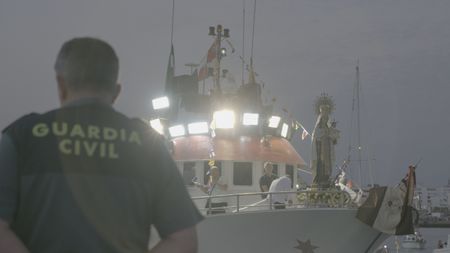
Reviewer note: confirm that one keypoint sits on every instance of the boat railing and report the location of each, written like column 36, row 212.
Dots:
column 252, row 201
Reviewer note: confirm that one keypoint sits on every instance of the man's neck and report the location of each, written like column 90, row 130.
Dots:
column 73, row 98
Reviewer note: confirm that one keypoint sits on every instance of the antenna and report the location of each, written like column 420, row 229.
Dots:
column 253, row 31
column 243, row 41
column 173, row 17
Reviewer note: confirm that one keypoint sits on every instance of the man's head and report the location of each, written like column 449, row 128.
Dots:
column 87, row 67
column 268, row 168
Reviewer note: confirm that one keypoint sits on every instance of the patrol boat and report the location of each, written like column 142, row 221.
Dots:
column 414, row 241
column 237, row 131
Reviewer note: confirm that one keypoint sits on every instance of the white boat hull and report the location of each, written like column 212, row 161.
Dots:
column 413, row 245
column 445, row 250
column 308, row 230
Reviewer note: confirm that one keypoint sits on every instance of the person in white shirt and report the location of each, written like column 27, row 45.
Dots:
column 216, row 186
column 282, row 184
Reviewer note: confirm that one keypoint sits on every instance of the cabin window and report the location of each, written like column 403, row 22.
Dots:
column 206, row 170
column 290, row 172
column 275, row 169
column 188, row 172
column 242, row 173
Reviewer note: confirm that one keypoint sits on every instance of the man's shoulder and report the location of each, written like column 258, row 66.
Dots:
column 140, row 123
column 22, row 121
column 263, row 178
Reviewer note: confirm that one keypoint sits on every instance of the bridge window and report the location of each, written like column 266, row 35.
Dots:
column 290, row 172
column 188, row 172
column 242, row 173
column 275, row 169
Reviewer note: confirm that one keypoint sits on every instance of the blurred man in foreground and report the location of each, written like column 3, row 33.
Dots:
column 86, row 178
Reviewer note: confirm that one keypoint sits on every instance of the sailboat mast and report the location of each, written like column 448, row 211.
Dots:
column 358, row 121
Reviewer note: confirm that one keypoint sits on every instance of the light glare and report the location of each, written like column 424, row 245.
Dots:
column 157, row 126
column 284, row 130
column 274, row 121
column 250, row 119
column 160, row 103
column 224, row 119
column 198, row 128
column 177, row 130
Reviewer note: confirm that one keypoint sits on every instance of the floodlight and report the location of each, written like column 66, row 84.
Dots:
column 226, row 33
column 212, row 31
column 198, row 128
column 176, row 131
column 160, row 103
column 157, row 126
column 224, row 119
column 250, row 119
column 274, row 121
column 284, row 130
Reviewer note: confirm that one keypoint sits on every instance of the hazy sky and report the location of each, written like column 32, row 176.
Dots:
column 302, row 48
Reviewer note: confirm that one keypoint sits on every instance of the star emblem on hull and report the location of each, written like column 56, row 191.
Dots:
column 306, row 247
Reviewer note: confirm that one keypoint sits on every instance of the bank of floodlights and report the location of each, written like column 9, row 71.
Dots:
column 250, row 119
column 160, row 103
column 157, row 125
column 177, row 131
column 274, row 122
column 224, row 119
column 198, row 128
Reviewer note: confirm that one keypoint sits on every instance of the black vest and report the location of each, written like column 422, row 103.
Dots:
column 76, row 164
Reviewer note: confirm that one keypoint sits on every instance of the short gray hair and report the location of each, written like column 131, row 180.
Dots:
column 267, row 164
column 88, row 64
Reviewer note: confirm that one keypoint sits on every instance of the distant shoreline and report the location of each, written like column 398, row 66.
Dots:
column 435, row 225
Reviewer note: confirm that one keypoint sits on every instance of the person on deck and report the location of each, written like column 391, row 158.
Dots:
column 279, row 200
column 266, row 180
column 86, row 178
column 216, row 185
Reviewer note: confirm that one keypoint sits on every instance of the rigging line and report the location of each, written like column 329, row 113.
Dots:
column 367, row 154
column 253, row 30
column 351, row 169
column 173, row 17
column 351, row 127
column 243, row 41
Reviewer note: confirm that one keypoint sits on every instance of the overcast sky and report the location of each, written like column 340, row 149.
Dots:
column 302, row 48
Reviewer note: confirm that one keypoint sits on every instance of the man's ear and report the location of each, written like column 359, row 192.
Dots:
column 117, row 90
column 62, row 89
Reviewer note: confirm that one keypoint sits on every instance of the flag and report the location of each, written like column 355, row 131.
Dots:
column 169, row 87
column 297, row 125
column 389, row 209
column 304, row 134
column 211, row 57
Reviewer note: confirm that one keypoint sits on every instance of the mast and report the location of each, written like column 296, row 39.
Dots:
column 173, row 17
column 358, row 120
column 253, row 32
column 219, row 33
column 243, row 42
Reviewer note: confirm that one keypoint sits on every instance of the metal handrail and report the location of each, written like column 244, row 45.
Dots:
column 310, row 199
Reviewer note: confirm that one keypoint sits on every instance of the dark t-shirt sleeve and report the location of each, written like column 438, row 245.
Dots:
column 174, row 209
column 8, row 178
column 264, row 180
